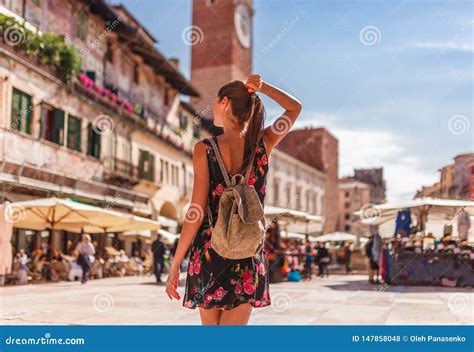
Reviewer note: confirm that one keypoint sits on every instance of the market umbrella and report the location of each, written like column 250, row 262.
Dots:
column 295, row 220
column 65, row 214
column 438, row 208
column 335, row 237
column 6, row 230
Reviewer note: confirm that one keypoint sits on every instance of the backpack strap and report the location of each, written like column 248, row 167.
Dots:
column 220, row 161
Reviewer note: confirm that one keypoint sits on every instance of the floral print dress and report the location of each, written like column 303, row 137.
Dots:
column 217, row 282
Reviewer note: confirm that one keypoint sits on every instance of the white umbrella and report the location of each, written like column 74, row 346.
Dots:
column 6, row 230
column 298, row 221
column 438, row 208
column 65, row 214
column 335, row 237
column 168, row 236
column 289, row 234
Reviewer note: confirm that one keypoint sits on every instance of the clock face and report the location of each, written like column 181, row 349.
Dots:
column 243, row 25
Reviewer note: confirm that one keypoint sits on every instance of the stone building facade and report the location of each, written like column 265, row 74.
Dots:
column 118, row 135
column 318, row 148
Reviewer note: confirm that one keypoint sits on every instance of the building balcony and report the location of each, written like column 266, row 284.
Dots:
column 57, row 170
column 120, row 171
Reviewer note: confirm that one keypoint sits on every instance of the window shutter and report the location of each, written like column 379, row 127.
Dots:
column 58, row 126
column 74, row 133
column 90, row 141
column 152, row 167
column 26, row 108
column 16, row 108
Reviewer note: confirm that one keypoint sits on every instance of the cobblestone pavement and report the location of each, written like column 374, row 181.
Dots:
column 336, row 300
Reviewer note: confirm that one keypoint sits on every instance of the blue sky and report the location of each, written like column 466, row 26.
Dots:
column 392, row 80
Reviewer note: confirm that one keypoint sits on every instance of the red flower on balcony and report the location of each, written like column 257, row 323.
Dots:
column 114, row 97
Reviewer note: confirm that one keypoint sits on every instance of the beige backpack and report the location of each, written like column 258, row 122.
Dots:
column 240, row 227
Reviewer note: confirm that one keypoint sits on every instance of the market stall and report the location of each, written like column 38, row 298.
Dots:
column 412, row 255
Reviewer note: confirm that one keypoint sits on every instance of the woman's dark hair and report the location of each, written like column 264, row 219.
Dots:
column 250, row 113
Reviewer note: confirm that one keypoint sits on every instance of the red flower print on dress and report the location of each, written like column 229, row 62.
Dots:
column 252, row 180
column 207, row 245
column 190, row 269
column 207, row 255
column 193, row 291
column 197, row 267
column 196, row 255
column 246, row 275
column 238, row 289
column 264, row 159
column 219, row 189
column 208, row 231
column 261, row 269
column 249, row 287
column 208, row 297
column 262, row 190
column 220, row 293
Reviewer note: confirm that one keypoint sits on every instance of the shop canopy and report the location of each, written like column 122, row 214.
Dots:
column 295, row 235
column 65, row 214
column 294, row 220
column 438, row 209
column 335, row 237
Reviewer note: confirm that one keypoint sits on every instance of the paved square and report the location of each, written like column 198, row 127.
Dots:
column 336, row 300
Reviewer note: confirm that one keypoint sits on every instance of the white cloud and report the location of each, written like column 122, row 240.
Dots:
column 451, row 45
column 373, row 148
column 366, row 148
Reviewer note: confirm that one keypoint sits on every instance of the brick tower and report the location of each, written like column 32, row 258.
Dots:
column 221, row 47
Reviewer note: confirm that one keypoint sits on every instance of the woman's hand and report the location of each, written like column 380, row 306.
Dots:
column 172, row 283
column 254, row 83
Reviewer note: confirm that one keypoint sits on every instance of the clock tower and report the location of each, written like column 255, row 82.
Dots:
column 221, row 42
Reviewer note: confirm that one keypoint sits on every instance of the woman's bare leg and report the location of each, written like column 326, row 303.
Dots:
column 210, row 316
column 236, row 316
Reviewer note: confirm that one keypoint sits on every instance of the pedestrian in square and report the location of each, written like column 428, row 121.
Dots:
column 85, row 252
column 159, row 249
